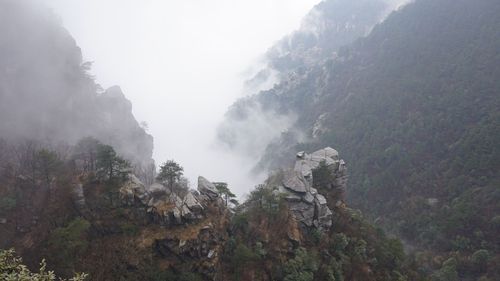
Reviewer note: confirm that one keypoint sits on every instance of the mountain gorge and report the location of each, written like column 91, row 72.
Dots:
column 408, row 98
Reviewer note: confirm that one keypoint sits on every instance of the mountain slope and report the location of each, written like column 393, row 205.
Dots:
column 47, row 94
column 251, row 124
column 414, row 108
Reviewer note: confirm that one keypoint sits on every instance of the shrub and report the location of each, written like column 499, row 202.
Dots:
column 302, row 267
column 480, row 259
column 69, row 242
column 11, row 268
column 7, row 203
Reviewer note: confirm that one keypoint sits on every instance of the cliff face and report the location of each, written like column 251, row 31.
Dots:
column 47, row 94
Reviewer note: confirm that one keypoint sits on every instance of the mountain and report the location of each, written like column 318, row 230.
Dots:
column 69, row 196
column 47, row 93
column 251, row 124
column 413, row 107
column 295, row 226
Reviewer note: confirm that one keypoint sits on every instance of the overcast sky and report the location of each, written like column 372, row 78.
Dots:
column 181, row 63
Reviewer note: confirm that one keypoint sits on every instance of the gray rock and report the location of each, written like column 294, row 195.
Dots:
column 303, row 212
column 186, row 213
column 3, row 220
column 327, row 152
column 321, row 199
column 303, row 167
column 207, row 188
column 295, row 182
column 177, row 215
column 157, row 188
column 133, row 189
column 432, row 201
column 193, row 204
column 211, row 254
column 78, row 195
column 308, row 197
column 306, row 204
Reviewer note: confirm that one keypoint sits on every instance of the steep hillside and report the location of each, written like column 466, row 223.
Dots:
column 105, row 222
column 414, row 108
column 252, row 123
column 47, row 93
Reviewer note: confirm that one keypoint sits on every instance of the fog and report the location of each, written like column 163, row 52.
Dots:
column 182, row 64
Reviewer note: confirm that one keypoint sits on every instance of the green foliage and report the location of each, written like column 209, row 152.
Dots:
column 7, row 203
column 418, row 121
column 170, row 173
column 47, row 162
column 480, row 259
column 110, row 166
column 264, row 200
column 12, row 269
column 302, row 267
column 86, row 150
column 448, row 271
column 130, row 229
column 67, row 243
column 461, row 243
column 315, row 235
column 224, row 191
column 340, row 242
column 243, row 255
column 323, row 176
column 155, row 274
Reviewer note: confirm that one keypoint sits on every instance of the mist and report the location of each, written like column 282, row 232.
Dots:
column 182, row 64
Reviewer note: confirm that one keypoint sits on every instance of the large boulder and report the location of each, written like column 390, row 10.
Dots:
column 132, row 191
column 192, row 203
column 205, row 187
column 295, row 181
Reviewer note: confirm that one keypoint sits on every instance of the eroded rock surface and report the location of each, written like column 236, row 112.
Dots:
column 163, row 206
column 297, row 186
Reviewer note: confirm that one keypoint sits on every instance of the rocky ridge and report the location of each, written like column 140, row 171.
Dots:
column 167, row 207
column 297, row 185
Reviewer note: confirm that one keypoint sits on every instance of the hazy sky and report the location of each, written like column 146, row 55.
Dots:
column 181, row 63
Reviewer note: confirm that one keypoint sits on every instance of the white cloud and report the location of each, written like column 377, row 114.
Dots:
column 181, row 63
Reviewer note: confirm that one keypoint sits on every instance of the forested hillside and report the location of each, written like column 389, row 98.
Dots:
column 252, row 123
column 414, row 109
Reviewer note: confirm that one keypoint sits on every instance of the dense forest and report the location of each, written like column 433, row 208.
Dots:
column 413, row 107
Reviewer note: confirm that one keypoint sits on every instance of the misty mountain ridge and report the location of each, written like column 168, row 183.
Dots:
column 409, row 95
column 413, row 107
column 253, row 122
column 47, row 93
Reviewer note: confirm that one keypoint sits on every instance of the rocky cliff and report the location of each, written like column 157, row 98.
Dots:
column 47, row 93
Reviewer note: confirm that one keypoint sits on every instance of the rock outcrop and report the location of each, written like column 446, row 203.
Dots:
column 207, row 188
column 165, row 206
column 298, row 186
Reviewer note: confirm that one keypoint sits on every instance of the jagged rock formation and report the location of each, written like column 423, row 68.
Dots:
column 165, row 206
column 183, row 229
column 297, row 186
